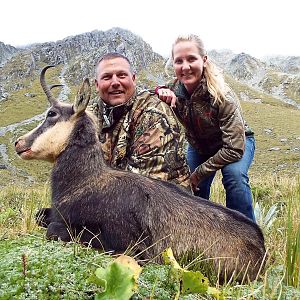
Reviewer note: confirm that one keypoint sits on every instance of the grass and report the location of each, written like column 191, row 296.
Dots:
column 290, row 84
column 62, row 270
column 292, row 260
column 277, row 136
column 18, row 207
column 253, row 94
column 18, row 107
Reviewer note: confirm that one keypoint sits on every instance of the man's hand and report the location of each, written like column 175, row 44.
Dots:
column 195, row 180
column 167, row 96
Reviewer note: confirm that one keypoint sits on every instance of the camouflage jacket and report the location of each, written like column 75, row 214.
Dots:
column 215, row 130
column 143, row 136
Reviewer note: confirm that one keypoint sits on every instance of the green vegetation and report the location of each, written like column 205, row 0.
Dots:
column 18, row 107
column 34, row 268
column 146, row 79
column 253, row 94
column 277, row 135
column 289, row 84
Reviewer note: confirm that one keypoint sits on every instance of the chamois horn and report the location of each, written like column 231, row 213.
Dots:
column 46, row 88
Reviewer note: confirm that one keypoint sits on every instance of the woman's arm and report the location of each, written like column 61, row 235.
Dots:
column 231, row 124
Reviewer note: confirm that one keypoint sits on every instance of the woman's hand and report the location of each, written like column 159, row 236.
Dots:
column 167, row 96
column 195, row 180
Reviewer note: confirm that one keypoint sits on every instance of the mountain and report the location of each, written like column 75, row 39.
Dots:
column 275, row 76
column 76, row 54
column 6, row 52
column 286, row 64
column 268, row 88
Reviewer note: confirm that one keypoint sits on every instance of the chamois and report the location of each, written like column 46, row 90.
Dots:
column 113, row 209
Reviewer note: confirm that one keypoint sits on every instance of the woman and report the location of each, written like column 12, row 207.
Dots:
column 217, row 134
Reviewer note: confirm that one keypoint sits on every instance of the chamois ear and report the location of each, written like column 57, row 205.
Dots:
column 83, row 96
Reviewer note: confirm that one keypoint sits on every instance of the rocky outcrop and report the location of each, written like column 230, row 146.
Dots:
column 286, row 64
column 78, row 54
column 276, row 76
column 246, row 68
column 222, row 58
column 81, row 52
column 6, row 52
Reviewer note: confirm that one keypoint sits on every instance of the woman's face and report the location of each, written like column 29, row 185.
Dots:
column 188, row 64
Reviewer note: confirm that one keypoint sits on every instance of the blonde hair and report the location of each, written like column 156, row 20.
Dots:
column 214, row 77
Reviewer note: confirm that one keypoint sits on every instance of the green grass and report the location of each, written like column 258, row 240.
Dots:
column 254, row 94
column 18, row 107
column 34, row 268
column 292, row 262
column 274, row 127
column 20, row 171
column 290, row 86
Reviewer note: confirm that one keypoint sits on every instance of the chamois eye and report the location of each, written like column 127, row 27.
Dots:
column 51, row 114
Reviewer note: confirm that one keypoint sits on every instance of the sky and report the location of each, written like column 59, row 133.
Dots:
column 256, row 27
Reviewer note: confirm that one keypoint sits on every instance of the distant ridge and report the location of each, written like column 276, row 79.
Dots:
column 277, row 75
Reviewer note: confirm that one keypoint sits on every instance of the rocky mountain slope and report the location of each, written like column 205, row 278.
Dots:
column 269, row 90
column 76, row 55
column 6, row 52
column 276, row 76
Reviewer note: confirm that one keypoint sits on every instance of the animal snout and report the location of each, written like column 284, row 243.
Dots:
column 21, row 147
column 18, row 144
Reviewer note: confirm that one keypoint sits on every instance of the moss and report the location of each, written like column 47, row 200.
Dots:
column 33, row 268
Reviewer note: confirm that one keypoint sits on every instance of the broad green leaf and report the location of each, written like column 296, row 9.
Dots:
column 193, row 282
column 188, row 282
column 118, row 279
column 130, row 263
column 169, row 259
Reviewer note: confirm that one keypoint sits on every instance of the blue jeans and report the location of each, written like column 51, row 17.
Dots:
column 235, row 179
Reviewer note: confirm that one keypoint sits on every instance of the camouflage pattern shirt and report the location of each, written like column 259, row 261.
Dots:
column 215, row 130
column 143, row 136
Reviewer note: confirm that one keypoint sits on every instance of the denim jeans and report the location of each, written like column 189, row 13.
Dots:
column 235, row 179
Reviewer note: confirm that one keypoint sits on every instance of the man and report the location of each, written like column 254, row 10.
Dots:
column 139, row 133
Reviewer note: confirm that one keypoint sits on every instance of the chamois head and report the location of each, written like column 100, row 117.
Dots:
column 50, row 138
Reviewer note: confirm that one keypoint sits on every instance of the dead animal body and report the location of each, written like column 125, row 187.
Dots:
column 114, row 209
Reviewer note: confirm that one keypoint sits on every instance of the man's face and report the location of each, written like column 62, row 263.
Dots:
column 115, row 83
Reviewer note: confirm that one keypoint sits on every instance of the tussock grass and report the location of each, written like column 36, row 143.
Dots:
column 292, row 258
column 18, row 207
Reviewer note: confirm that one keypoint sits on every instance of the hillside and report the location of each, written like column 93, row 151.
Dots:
column 269, row 91
column 276, row 76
